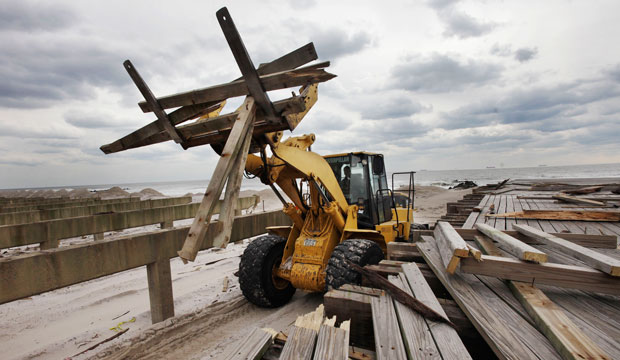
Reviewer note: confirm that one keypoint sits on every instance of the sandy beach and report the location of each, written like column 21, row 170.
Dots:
column 209, row 317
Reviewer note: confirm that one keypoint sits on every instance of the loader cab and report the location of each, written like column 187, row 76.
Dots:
column 363, row 182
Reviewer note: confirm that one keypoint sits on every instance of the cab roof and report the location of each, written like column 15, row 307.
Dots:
column 354, row 153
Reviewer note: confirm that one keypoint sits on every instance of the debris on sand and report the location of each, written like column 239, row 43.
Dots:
column 462, row 185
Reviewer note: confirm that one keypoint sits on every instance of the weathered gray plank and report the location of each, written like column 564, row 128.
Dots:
column 388, row 340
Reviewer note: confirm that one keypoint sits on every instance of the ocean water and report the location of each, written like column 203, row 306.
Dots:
column 443, row 178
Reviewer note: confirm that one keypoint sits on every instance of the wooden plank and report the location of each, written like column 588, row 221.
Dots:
column 417, row 338
column 285, row 79
column 355, row 306
column 597, row 260
column 252, row 347
column 37, row 272
column 289, row 61
column 576, row 200
column 512, row 245
column 222, row 170
column 162, row 117
column 507, row 333
column 233, row 186
column 388, row 340
column 587, row 240
column 51, row 231
column 447, row 339
column 302, row 337
column 568, row 276
column 451, row 246
column 487, row 246
column 333, row 342
column 245, row 64
column 565, row 336
column 561, row 215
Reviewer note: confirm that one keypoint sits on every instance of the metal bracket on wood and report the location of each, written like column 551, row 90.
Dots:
column 162, row 117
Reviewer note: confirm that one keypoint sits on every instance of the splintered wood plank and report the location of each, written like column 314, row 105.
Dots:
column 447, row 339
column 347, row 305
column 252, row 347
column 565, row 336
column 198, row 230
column 333, row 342
column 285, row 79
column 299, row 344
column 567, row 276
column 162, row 117
column 512, row 245
column 388, row 340
column 562, row 215
column 596, row 260
column 417, row 338
column 508, row 334
column 245, row 64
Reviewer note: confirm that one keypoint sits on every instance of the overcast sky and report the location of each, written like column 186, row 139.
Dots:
column 431, row 84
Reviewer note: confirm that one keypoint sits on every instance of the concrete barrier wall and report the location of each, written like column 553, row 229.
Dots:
column 53, row 230
column 62, row 204
column 62, row 213
column 34, row 273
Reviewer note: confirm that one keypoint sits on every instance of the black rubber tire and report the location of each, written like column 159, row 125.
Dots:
column 358, row 251
column 255, row 272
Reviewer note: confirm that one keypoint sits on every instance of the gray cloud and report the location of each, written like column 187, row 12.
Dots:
column 613, row 73
column 551, row 108
column 28, row 16
column 392, row 107
column 525, row 54
column 38, row 72
column 457, row 22
column 334, row 43
column 442, row 73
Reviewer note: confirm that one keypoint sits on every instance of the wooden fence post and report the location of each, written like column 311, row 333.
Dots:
column 160, row 290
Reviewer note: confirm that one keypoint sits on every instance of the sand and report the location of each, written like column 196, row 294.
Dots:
column 208, row 321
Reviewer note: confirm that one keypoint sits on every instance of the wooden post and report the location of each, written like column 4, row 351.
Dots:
column 160, row 290
column 241, row 129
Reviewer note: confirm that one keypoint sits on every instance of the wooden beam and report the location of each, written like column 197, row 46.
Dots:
column 162, row 117
column 245, row 64
column 253, row 346
column 595, row 259
column 289, row 61
column 565, row 336
column 198, row 230
column 417, row 338
column 561, row 215
column 302, row 336
column 576, row 200
column 451, row 246
column 333, row 342
column 567, row 276
column 388, row 341
column 512, row 245
column 285, row 79
column 160, row 290
column 233, row 185
column 34, row 273
column 447, row 339
column 508, row 334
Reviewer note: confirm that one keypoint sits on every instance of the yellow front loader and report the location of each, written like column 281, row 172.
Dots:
column 341, row 208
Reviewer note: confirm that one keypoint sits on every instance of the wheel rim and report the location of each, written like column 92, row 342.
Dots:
column 277, row 281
